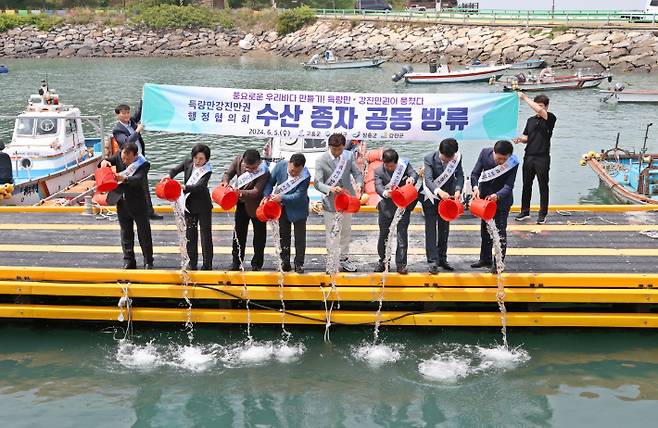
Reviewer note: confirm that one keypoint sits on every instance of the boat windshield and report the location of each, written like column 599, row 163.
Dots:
column 36, row 126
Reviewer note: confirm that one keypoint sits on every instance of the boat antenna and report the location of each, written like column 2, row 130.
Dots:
column 646, row 137
column 643, row 151
column 617, row 142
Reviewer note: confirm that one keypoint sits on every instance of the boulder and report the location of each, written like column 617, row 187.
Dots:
column 563, row 38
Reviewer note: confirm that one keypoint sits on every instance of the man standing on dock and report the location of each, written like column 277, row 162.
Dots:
column 493, row 179
column 131, row 203
column 394, row 172
column 252, row 175
column 127, row 130
column 537, row 160
column 443, row 178
column 334, row 171
column 288, row 185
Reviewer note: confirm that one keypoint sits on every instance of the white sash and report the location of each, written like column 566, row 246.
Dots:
column 448, row 172
column 336, row 175
column 292, row 182
column 197, row 174
column 131, row 131
column 499, row 170
column 247, row 177
column 130, row 169
column 398, row 173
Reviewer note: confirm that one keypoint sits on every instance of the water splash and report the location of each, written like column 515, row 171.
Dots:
column 276, row 234
column 245, row 291
column 445, row 368
column 181, row 226
column 194, row 358
column 134, row 356
column 333, row 265
column 376, row 355
column 253, row 353
column 387, row 260
column 500, row 286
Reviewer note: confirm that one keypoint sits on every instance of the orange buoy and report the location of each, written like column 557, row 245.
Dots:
column 344, row 202
column 269, row 210
column 484, row 209
column 168, row 189
column 374, row 155
column 404, row 195
column 225, row 196
column 106, row 181
column 450, row 210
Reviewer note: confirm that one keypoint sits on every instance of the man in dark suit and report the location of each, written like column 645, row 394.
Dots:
column 131, row 204
column 288, row 185
column 252, row 176
column 198, row 206
column 443, row 179
column 394, row 172
column 6, row 171
column 493, row 179
column 127, row 130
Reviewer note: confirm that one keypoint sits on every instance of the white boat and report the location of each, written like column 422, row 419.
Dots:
column 529, row 64
column 550, row 82
column 48, row 149
column 329, row 62
column 446, row 74
column 622, row 95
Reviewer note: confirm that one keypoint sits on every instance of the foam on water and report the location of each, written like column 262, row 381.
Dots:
column 254, row 353
column 379, row 354
column 134, row 356
column 194, row 358
column 445, row 368
column 503, row 358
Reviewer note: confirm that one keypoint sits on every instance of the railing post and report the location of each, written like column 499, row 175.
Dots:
column 608, row 22
column 493, row 18
column 527, row 19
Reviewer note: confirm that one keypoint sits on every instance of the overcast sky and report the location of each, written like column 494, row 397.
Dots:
column 561, row 4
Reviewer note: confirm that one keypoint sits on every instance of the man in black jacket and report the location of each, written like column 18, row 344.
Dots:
column 537, row 159
column 127, row 130
column 131, row 204
column 6, row 171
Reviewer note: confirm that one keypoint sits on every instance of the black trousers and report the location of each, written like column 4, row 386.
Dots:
column 402, row 237
column 436, row 234
column 487, row 242
column 193, row 222
column 285, row 227
column 260, row 237
column 147, row 192
column 535, row 166
column 126, row 221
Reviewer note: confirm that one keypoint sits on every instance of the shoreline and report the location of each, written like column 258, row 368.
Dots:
column 635, row 50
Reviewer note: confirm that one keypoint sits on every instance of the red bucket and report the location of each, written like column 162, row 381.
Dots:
column 344, row 202
column 100, row 199
column 168, row 189
column 105, row 179
column 405, row 195
column 225, row 196
column 450, row 210
column 482, row 208
column 270, row 210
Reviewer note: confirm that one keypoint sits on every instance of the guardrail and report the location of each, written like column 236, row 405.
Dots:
column 495, row 16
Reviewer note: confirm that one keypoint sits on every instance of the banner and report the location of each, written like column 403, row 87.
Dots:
column 314, row 114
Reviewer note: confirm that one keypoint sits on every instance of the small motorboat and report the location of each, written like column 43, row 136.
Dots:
column 529, row 64
column 620, row 94
column 548, row 81
column 4, row 69
column 631, row 177
column 328, row 62
column 447, row 74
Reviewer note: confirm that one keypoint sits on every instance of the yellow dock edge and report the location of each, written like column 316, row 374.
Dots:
column 351, row 294
column 239, row 316
column 366, row 209
column 532, row 280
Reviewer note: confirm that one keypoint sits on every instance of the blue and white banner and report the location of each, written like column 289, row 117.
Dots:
column 314, row 114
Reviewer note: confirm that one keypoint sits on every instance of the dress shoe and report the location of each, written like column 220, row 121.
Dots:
column 446, row 266
column 148, row 266
column 206, row 267
column 541, row 219
column 256, row 268
column 190, row 267
column 155, row 216
column 347, row 266
column 402, row 270
column 299, row 268
column 234, row 267
column 380, row 267
column 434, row 269
column 481, row 264
column 522, row 216
column 285, row 266
column 130, row 265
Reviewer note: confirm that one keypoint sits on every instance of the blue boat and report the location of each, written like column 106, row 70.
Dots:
column 4, row 69
column 631, row 177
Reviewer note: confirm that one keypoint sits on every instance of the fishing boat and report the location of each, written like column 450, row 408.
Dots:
column 48, row 150
column 528, row 64
column 548, row 81
column 631, row 177
column 447, row 74
column 4, row 69
column 620, row 94
column 328, row 62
